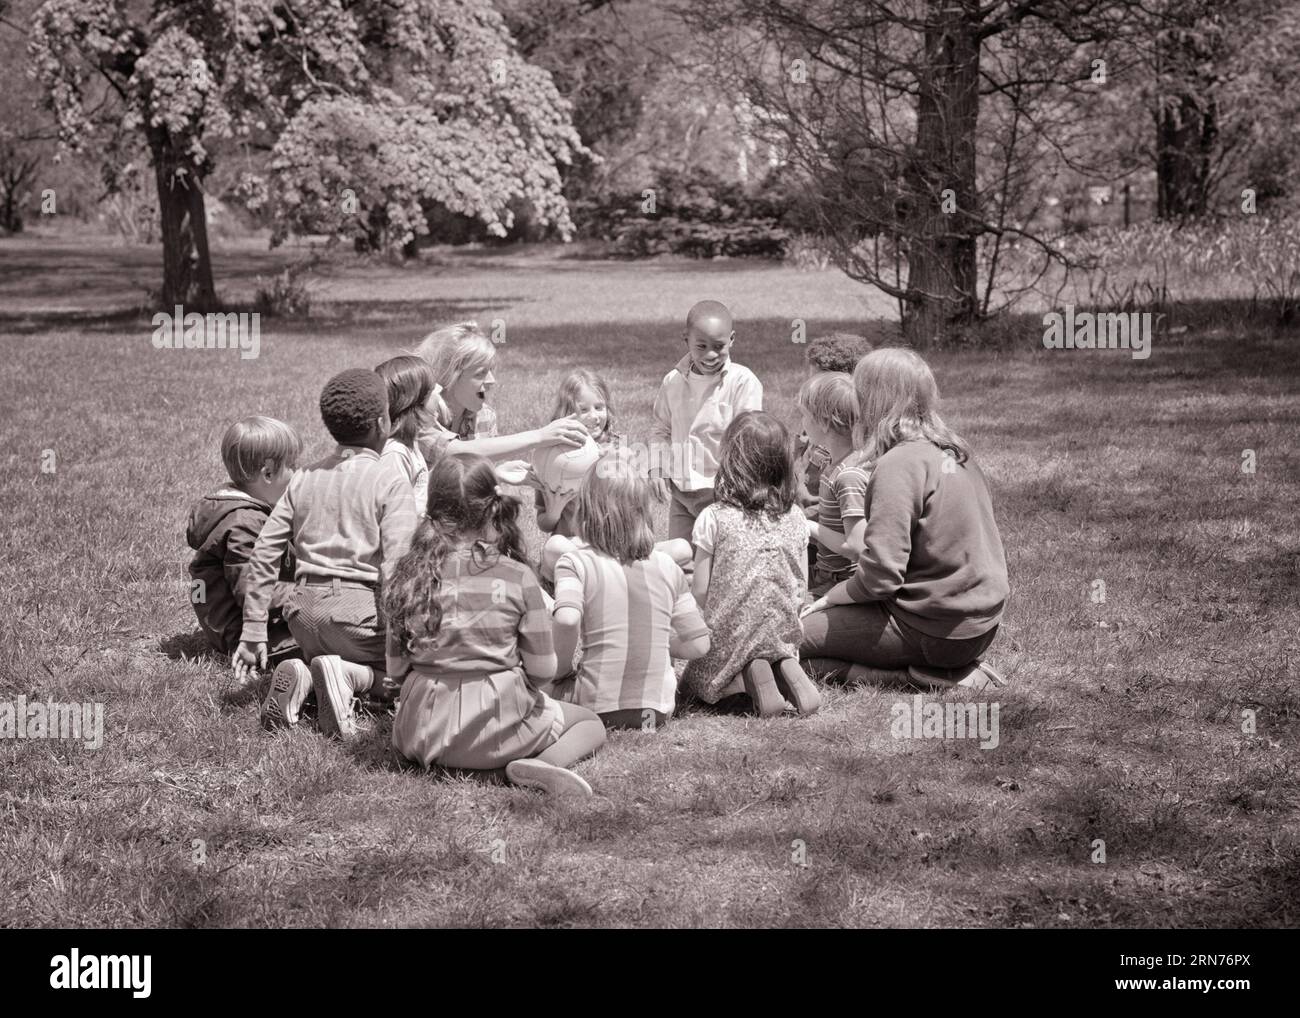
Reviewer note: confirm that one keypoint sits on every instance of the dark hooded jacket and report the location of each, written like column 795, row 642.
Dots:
column 222, row 530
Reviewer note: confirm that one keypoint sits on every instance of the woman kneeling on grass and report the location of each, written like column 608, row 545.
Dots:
column 931, row 579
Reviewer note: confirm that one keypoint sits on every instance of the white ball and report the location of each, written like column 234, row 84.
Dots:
column 560, row 469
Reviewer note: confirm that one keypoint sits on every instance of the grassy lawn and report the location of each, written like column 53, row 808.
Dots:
column 1123, row 722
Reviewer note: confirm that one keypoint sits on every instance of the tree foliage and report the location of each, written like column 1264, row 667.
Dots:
column 346, row 116
column 886, row 109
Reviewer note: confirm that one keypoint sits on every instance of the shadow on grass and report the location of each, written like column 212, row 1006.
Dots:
column 27, row 323
column 329, row 318
column 187, row 646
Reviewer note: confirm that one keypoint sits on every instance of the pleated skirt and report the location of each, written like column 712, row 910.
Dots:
column 479, row 722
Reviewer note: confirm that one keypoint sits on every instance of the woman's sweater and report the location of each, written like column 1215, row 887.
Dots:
column 932, row 551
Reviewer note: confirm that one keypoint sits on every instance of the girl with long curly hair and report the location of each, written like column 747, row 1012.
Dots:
column 469, row 629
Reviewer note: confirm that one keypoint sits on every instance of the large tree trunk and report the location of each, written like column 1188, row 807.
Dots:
column 941, row 276
column 16, row 174
column 1185, row 136
column 11, row 215
column 1187, row 122
column 187, row 265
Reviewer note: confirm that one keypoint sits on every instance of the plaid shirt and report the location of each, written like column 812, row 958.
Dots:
column 433, row 439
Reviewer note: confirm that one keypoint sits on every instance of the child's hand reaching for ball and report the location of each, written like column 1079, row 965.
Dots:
column 247, row 659
column 566, row 431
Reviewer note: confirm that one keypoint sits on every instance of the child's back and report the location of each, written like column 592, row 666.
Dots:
column 756, row 587
column 751, row 573
column 348, row 517
column 467, row 701
column 469, row 627
column 841, row 505
column 631, row 612
column 260, row 454
column 348, row 513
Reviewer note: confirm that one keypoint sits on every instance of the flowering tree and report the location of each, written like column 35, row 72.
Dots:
column 358, row 112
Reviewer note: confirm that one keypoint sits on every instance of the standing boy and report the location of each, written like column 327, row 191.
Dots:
column 696, row 402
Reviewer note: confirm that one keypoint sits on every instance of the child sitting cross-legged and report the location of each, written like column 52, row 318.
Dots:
column 470, row 631
column 624, row 605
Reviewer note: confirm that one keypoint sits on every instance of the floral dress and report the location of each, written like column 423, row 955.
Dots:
column 757, row 584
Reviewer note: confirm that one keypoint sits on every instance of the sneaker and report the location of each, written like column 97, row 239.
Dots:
column 337, row 682
column 978, row 677
column 794, row 684
column 534, row 773
column 290, row 684
column 761, row 687
column 983, row 676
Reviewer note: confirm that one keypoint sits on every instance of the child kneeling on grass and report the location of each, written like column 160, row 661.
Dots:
column 624, row 604
column 469, row 629
column 349, row 517
column 751, row 562
column 260, row 454
column 930, row 584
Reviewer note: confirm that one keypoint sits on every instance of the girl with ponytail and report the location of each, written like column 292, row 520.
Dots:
column 470, row 634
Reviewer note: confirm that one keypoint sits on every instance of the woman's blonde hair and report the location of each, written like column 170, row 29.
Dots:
column 898, row 401
column 451, row 351
column 613, row 514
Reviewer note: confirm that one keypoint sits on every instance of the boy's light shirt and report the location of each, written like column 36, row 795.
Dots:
column 349, row 516
column 693, row 425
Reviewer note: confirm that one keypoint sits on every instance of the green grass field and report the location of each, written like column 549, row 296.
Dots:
column 1123, row 723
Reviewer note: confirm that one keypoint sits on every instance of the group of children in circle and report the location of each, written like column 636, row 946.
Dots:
column 394, row 569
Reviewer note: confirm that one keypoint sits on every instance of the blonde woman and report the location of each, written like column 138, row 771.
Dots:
column 931, row 581
column 463, row 424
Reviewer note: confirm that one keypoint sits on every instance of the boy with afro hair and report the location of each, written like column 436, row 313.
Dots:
column 349, row 517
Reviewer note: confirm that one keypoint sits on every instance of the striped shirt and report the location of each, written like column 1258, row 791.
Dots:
column 494, row 619
column 413, row 468
column 629, row 613
column 843, row 502
column 348, row 516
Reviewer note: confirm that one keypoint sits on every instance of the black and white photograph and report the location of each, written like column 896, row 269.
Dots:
column 678, row 464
